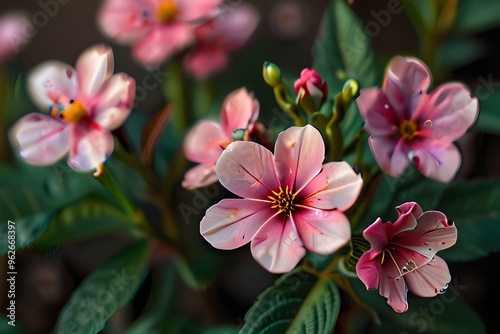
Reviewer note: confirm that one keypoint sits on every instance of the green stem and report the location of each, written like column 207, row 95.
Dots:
column 360, row 210
column 176, row 91
column 287, row 104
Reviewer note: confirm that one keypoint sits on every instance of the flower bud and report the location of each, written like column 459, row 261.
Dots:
column 271, row 73
column 311, row 90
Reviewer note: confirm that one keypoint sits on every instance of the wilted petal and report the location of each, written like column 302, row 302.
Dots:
column 322, row 231
column 203, row 142
column 232, row 223
column 299, row 155
column 199, row 176
column 239, row 110
column 450, row 109
column 41, row 140
column 428, row 280
column 377, row 112
column 50, row 81
column 247, row 170
column 90, row 146
column 368, row 269
column 390, row 155
column 437, row 162
column 161, row 42
column 337, row 186
column 277, row 246
column 114, row 102
column 95, row 65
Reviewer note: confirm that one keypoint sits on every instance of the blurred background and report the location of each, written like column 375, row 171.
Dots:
column 285, row 36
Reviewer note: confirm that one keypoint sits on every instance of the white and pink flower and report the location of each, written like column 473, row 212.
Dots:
column 85, row 104
column 156, row 28
column 407, row 124
column 291, row 201
column 403, row 255
column 207, row 139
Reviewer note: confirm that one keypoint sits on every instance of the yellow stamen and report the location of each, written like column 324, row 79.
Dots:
column 166, row 11
column 283, row 200
column 408, row 129
column 74, row 113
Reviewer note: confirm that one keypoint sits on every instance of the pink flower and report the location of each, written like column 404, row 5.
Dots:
column 12, row 30
column 402, row 255
column 311, row 90
column 407, row 124
column 156, row 28
column 85, row 103
column 207, row 140
column 218, row 37
column 291, row 201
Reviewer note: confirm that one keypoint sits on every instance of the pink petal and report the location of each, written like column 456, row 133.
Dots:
column 124, row 21
column 232, row 223
column 411, row 207
column 378, row 114
column 390, row 154
column 428, row 280
column 450, row 109
column 51, row 81
column 234, row 27
column 239, row 111
column 199, row 176
column 322, row 231
column 161, row 42
column 94, row 66
column 394, row 290
column 197, row 10
column 41, row 140
column 379, row 234
column 247, row 169
column 277, row 246
column 405, row 81
column 203, row 142
column 406, row 220
column 299, row 154
column 368, row 269
column 337, row 186
column 114, row 102
column 202, row 62
column 432, row 234
column 90, row 146
column 12, row 34
column 436, row 161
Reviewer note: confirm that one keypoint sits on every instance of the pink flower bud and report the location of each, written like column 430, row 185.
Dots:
column 311, row 90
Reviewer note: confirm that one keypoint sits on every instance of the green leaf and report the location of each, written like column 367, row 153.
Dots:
column 24, row 229
column 456, row 53
column 489, row 99
column 197, row 272
column 227, row 329
column 297, row 303
column 5, row 328
column 86, row 219
column 343, row 51
column 477, row 219
column 474, row 16
column 103, row 292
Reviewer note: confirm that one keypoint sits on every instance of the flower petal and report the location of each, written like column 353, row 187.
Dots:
column 368, row 269
column 428, row 280
column 41, row 140
column 203, row 142
column 322, row 231
column 94, row 66
column 337, row 186
column 436, row 161
column 377, row 112
column 406, row 220
column 13, row 26
column 50, row 81
column 379, row 234
column 450, row 109
column 199, row 176
column 299, row 155
column 204, row 61
column 247, row 169
column 405, row 82
column 239, row 111
column 90, row 146
column 197, row 10
column 277, row 246
column 232, row 223
column 390, row 154
column 161, row 42
column 411, row 207
column 394, row 290
column 124, row 21
column 114, row 102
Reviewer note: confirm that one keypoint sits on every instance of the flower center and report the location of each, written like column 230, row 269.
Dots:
column 408, row 129
column 166, row 11
column 72, row 114
column 283, row 200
